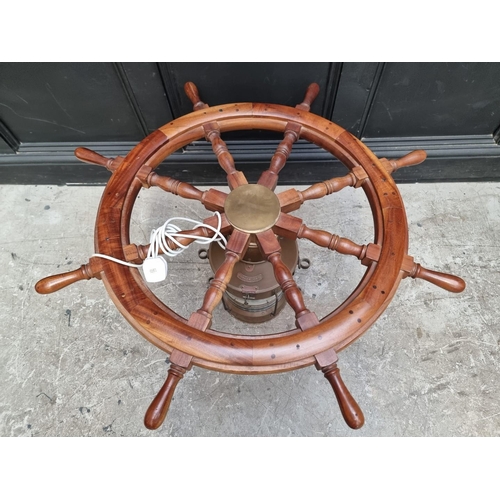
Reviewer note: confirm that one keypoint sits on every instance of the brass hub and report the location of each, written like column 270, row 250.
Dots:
column 252, row 208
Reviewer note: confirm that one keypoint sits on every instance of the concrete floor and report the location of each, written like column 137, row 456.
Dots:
column 70, row 365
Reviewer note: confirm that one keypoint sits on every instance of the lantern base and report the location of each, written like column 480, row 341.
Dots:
column 253, row 295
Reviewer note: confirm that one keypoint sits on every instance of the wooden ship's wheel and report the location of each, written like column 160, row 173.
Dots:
column 261, row 232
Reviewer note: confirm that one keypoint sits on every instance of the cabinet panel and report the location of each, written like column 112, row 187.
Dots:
column 435, row 99
column 66, row 102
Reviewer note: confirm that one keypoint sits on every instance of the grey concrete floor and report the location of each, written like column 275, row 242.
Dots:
column 71, row 365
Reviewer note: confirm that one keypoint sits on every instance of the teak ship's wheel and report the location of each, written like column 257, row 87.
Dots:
column 253, row 212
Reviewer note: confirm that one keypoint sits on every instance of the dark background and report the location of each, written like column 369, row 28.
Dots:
column 452, row 110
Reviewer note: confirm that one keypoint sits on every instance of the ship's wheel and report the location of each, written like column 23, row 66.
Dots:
column 257, row 224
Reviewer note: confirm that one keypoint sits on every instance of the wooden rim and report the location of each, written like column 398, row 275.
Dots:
column 237, row 353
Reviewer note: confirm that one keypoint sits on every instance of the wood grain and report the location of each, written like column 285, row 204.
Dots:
column 235, row 249
column 89, row 156
column 387, row 257
column 57, row 282
column 414, row 158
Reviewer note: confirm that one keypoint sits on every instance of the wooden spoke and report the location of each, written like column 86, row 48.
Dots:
column 269, row 178
column 311, row 94
column 89, row 156
column 212, row 199
column 371, row 253
column 192, row 92
column 54, row 283
column 182, row 189
column 137, row 253
column 270, row 247
column 287, row 226
column 157, row 411
column 235, row 178
column 292, row 227
column 292, row 199
column 411, row 159
column 326, row 361
column 332, row 242
column 448, row 282
column 235, row 249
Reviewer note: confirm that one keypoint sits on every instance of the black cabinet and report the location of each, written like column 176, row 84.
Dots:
column 452, row 110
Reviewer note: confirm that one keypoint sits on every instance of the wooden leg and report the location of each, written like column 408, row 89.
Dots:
column 158, row 409
column 327, row 363
column 350, row 409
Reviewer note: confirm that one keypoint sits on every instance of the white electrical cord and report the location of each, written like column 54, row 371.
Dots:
column 170, row 232
column 154, row 265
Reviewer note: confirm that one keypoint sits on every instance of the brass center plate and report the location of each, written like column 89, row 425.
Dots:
column 252, row 208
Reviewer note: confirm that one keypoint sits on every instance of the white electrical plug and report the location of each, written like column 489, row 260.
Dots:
column 155, row 269
column 154, row 266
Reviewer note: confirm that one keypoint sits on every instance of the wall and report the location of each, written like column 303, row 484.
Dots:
column 452, row 110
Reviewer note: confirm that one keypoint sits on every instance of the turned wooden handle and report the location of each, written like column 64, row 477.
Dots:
column 157, row 411
column 182, row 189
column 350, row 410
column 192, row 92
column 414, row 158
column 331, row 241
column 311, row 94
column 447, row 281
column 54, row 283
column 285, row 279
column 89, row 156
